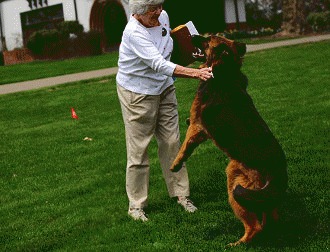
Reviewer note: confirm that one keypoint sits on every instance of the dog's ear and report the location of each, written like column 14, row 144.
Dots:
column 241, row 48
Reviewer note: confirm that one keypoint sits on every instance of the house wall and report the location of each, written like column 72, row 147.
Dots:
column 230, row 13
column 84, row 11
column 12, row 28
column 11, row 24
column 11, row 20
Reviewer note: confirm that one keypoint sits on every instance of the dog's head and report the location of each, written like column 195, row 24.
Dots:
column 217, row 50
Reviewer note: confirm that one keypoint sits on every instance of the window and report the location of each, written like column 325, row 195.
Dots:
column 39, row 19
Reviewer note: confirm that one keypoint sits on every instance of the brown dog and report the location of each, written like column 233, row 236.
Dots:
column 224, row 112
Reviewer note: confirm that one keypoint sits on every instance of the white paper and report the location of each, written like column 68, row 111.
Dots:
column 192, row 29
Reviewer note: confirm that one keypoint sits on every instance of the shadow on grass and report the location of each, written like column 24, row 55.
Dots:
column 296, row 224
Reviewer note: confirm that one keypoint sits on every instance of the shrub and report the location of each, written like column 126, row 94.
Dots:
column 70, row 27
column 319, row 21
column 93, row 40
column 58, row 44
column 40, row 39
column 235, row 34
column 1, row 59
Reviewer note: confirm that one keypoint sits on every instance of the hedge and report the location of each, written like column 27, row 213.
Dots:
column 319, row 21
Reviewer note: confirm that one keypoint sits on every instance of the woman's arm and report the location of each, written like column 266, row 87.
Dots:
column 186, row 72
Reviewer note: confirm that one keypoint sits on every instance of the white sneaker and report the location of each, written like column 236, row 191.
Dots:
column 187, row 204
column 137, row 214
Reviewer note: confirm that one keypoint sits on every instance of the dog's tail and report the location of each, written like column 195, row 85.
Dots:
column 263, row 199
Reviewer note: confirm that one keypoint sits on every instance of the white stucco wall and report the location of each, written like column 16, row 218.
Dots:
column 84, row 11
column 11, row 20
column 230, row 15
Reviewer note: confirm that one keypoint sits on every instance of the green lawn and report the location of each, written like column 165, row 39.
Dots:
column 61, row 193
column 45, row 69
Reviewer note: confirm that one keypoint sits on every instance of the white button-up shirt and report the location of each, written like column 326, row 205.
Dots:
column 144, row 54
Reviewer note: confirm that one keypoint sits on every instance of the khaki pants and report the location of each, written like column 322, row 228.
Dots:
column 146, row 116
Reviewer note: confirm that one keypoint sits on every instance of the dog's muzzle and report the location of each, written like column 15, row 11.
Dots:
column 198, row 54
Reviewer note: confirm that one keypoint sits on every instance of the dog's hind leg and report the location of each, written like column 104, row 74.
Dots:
column 249, row 219
column 194, row 136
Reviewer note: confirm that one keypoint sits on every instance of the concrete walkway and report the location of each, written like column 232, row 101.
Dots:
column 52, row 81
column 46, row 82
column 289, row 42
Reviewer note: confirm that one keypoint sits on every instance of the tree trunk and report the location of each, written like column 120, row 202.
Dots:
column 293, row 16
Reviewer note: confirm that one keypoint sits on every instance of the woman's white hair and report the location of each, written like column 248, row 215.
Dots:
column 140, row 7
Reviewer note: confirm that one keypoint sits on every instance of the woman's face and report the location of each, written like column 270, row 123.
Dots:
column 153, row 13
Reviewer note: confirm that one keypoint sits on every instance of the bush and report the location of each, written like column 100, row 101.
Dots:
column 1, row 59
column 58, row 44
column 93, row 41
column 234, row 34
column 319, row 21
column 40, row 39
column 70, row 27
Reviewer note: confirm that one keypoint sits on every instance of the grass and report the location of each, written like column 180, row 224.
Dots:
column 45, row 69
column 61, row 193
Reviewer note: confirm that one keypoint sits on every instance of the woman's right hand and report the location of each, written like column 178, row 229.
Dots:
column 205, row 73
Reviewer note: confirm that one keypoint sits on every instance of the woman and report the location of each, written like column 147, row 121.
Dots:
column 148, row 102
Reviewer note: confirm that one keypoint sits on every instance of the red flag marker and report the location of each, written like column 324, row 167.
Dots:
column 74, row 114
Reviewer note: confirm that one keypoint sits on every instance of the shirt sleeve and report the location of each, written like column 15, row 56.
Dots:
column 145, row 49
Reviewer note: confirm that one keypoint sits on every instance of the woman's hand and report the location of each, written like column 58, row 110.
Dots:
column 205, row 73
column 186, row 72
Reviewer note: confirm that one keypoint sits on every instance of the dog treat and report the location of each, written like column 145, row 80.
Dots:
column 211, row 72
